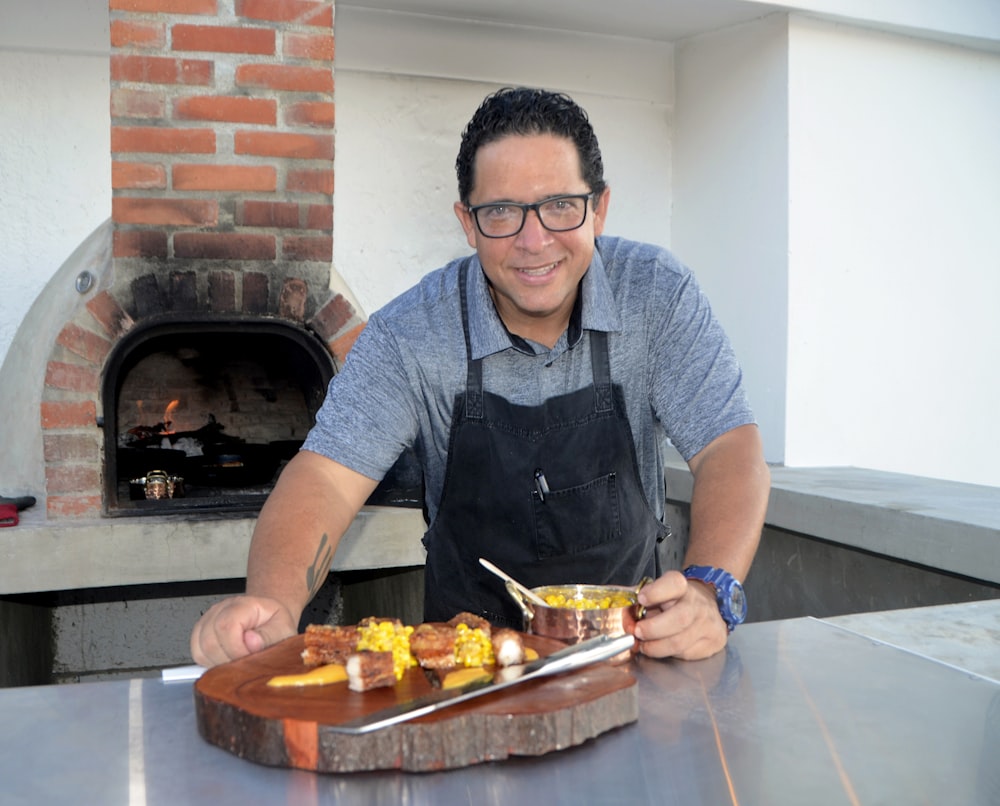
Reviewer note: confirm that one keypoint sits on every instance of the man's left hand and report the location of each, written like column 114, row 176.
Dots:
column 682, row 619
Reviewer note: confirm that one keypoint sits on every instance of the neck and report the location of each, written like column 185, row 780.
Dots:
column 544, row 329
column 547, row 335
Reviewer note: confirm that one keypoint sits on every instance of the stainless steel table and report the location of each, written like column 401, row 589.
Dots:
column 795, row 712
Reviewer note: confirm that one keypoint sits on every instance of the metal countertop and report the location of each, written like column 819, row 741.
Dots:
column 797, row 711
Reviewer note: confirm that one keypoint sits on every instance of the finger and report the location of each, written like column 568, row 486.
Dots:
column 674, row 632
column 683, row 629
column 195, row 645
column 664, row 623
column 204, row 644
column 235, row 627
column 218, row 635
column 276, row 628
column 230, row 627
column 208, row 647
column 666, row 588
column 687, row 646
column 254, row 641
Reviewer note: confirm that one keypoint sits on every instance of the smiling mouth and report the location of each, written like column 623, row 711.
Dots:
column 541, row 271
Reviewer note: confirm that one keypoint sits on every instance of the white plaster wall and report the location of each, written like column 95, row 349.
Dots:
column 956, row 20
column 401, row 111
column 55, row 143
column 396, row 183
column 862, row 311
column 894, row 274
column 730, row 215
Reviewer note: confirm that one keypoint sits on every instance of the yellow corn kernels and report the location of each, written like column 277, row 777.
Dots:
column 472, row 647
column 589, row 603
column 388, row 636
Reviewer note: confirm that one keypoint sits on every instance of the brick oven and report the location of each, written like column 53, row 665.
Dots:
column 217, row 293
column 206, row 308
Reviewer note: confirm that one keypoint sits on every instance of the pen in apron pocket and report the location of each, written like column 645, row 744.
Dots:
column 541, row 485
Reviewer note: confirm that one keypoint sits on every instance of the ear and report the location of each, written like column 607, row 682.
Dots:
column 465, row 219
column 601, row 204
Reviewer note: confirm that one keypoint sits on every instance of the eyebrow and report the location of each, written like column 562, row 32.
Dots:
column 543, row 199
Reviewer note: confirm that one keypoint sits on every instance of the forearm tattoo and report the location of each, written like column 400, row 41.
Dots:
column 316, row 572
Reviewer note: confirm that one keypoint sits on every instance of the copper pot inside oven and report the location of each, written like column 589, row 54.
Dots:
column 157, row 484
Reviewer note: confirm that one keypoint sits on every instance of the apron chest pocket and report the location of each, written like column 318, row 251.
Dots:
column 574, row 519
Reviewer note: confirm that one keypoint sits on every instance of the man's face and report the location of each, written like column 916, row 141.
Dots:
column 533, row 275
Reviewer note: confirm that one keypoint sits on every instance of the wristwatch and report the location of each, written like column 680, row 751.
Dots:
column 729, row 593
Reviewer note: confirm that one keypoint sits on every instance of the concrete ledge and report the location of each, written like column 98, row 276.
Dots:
column 948, row 526
column 961, row 635
column 39, row 555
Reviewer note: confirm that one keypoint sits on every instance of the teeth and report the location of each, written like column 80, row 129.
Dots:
column 539, row 272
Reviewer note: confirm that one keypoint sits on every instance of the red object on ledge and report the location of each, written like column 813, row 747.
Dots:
column 8, row 515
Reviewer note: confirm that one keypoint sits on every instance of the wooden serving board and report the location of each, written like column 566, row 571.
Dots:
column 289, row 727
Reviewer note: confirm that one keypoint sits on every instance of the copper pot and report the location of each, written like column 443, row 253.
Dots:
column 571, row 624
column 156, row 484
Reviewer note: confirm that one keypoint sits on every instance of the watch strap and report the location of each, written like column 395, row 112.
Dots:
column 728, row 592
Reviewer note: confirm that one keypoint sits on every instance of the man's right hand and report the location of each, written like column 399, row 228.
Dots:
column 238, row 626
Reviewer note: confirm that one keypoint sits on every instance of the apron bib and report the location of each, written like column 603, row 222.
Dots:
column 550, row 493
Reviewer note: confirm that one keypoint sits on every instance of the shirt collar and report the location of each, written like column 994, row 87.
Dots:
column 595, row 309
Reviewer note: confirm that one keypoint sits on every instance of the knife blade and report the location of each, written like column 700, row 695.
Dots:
column 593, row 650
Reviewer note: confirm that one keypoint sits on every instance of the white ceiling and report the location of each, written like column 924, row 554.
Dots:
column 82, row 25
column 662, row 20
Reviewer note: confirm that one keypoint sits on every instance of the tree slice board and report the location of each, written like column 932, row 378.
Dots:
column 289, row 727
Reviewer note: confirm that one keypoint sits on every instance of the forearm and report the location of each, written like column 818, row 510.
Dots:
column 300, row 525
column 729, row 501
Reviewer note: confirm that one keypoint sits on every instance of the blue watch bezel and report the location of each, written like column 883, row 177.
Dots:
column 727, row 588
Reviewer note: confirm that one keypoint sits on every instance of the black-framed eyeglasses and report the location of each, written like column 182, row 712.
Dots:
column 556, row 214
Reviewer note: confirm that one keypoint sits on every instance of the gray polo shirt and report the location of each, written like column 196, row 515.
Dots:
column 397, row 388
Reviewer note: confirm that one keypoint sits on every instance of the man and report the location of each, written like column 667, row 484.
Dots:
column 537, row 381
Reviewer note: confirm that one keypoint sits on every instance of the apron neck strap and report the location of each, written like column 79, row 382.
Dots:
column 600, row 363
column 474, row 376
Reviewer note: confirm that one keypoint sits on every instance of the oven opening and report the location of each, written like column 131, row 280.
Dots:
column 204, row 415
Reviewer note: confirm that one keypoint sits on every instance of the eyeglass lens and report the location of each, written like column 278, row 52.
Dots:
column 558, row 215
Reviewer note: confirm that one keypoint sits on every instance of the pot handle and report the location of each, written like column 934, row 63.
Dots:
column 518, row 597
column 639, row 611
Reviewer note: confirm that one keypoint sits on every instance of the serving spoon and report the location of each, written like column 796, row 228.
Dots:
column 529, row 594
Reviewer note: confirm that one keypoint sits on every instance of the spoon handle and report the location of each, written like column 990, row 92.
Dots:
column 528, row 593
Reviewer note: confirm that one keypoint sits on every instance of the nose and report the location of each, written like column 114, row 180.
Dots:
column 532, row 234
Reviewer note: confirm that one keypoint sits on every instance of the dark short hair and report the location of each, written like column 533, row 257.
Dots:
column 526, row 111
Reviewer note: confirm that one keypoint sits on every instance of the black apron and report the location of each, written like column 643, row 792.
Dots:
column 550, row 493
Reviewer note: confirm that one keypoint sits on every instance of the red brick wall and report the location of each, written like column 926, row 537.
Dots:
column 222, row 129
column 222, row 143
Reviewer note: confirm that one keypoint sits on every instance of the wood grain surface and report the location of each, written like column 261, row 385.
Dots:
column 289, row 727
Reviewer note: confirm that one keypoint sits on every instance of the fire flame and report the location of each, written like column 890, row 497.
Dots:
column 168, row 412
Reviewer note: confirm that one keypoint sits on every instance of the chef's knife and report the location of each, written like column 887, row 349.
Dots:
column 593, row 650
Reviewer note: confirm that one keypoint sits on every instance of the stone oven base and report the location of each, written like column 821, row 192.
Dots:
column 137, row 631
column 141, row 583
